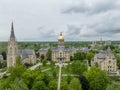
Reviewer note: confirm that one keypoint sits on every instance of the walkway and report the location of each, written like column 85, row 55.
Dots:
column 59, row 76
column 35, row 66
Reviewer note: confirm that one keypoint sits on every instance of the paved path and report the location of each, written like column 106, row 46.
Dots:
column 2, row 73
column 69, row 75
column 59, row 76
column 46, row 70
column 35, row 66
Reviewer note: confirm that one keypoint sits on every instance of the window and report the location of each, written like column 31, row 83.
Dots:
column 60, row 54
column 109, row 62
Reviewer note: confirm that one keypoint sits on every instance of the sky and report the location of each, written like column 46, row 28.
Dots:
column 43, row 20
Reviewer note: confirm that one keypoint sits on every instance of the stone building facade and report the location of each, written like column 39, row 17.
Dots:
column 12, row 51
column 61, row 53
column 105, row 60
column 27, row 56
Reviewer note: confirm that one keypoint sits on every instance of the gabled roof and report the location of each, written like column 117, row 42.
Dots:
column 100, row 56
column 25, row 53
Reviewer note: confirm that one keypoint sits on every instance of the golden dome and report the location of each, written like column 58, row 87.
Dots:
column 61, row 37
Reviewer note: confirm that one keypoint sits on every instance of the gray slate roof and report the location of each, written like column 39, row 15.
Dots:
column 25, row 53
column 102, row 54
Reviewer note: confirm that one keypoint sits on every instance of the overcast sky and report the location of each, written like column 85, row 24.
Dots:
column 43, row 20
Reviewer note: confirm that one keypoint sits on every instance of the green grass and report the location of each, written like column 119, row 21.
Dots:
column 56, row 69
column 45, row 67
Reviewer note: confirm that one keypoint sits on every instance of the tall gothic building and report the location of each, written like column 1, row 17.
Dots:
column 27, row 55
column 12, row 51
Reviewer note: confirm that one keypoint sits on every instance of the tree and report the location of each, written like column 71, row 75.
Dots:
column 74, row 85
column 18, row 84
column 17, row 71
column 46, row 79
column 39, row 85
column 42, row 57
column 53, row 84
column 49, row 55
column 78, row 67
column 4, row 64
column 44, row 62
column 69, row 78
column 18, row 61
column 84, row 82
column 30, row 77
column 89, row 56
column 118, row 61
column 54, row 73
column 4, row 55
column 52, row 63
column 5, row 83
column 113, row 86
column 71, row 58
column 63, row 85
column 79, row 56
column 97, row 78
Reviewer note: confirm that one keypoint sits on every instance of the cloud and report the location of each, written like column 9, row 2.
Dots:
column 72, row 32
column 42, row 20
column 46, row 34
column 93, row 7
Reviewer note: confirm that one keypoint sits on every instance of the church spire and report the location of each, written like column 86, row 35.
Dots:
column 12, row 31
column 12, row 51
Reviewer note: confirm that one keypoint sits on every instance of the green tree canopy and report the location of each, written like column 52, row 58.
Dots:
column 79, row 56
column 74, row 85
column 97, row 78
column 118, row 60
column 17, row 71
column 18, row 84
column 53, row 84
column 49, row 54
column 89, row 56
column 39, row 85
column 18, row 61
column 77, row 67
column 113, row 86
column 44, row 62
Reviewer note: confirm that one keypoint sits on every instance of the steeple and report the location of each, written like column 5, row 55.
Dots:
column 12, row 51
column 12, row 35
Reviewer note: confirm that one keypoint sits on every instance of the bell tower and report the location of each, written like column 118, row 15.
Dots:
column 12, row 51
